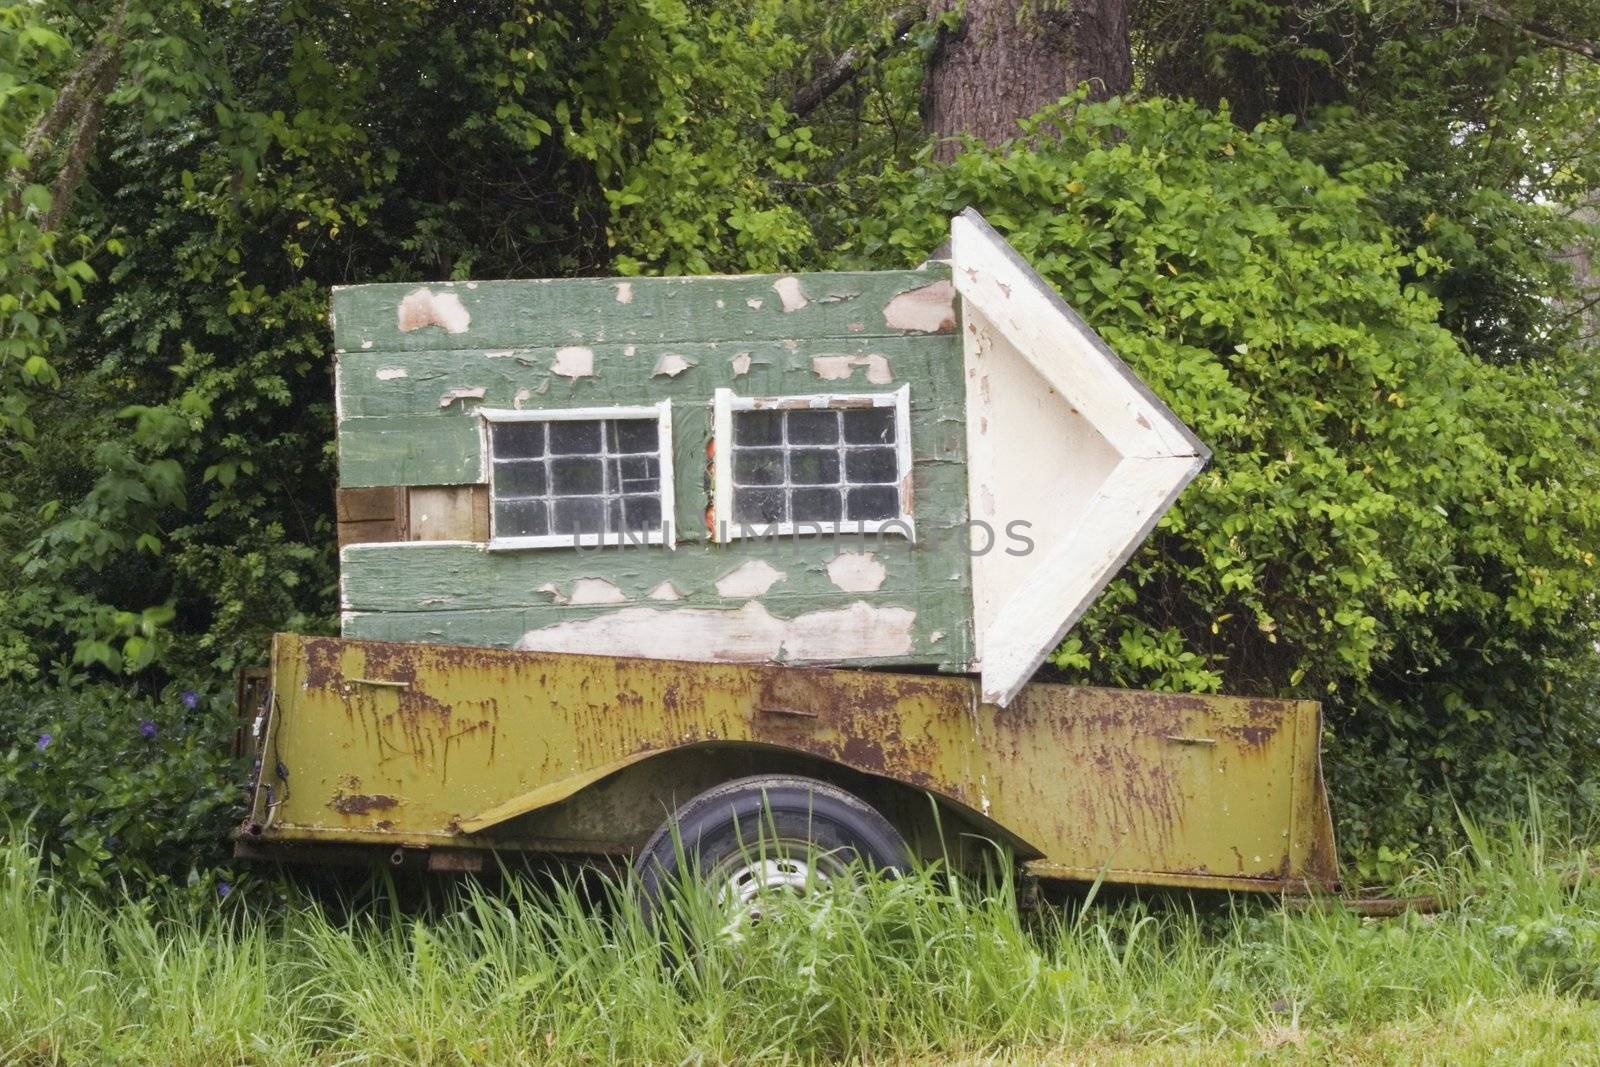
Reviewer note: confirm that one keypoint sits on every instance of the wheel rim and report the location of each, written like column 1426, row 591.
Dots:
column 784, row 868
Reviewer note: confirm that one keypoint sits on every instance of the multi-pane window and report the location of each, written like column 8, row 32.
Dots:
column 798, row 464
column 591, row 477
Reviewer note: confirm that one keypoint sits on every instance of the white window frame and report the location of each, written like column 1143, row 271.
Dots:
column 724, row 402
column 661, row 412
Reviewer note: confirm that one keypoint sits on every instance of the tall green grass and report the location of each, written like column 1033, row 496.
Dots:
column 923, row 967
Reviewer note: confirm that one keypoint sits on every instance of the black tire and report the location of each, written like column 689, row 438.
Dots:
column 772, row 815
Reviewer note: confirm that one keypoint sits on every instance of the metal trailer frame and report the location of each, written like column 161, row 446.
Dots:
column 366, row 749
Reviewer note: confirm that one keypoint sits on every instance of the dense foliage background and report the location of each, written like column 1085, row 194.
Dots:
column 1339, row 238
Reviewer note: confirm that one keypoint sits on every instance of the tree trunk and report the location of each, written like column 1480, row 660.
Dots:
column 1009, row 58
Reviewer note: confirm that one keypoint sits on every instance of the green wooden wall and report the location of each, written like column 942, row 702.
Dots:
column 408, row 401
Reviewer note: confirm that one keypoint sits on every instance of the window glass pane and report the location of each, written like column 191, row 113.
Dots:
column 514, row 440
column 814, row 466
column 578, row 514
column 874, row 502
column 816, row 505
column 813, row 427
column 575, row 438
column 637, row 474
column 869, row 426
column 640, row 513
column 758, row 428
column 757, row 466
column 525, row 478
column 576, row 476
column 871, row 465
column 635, row 435
column 758, row 505
column 520, row 518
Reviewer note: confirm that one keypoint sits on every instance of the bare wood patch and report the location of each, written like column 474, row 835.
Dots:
column 371, row 515
column 596, row 591
column 574, row 362
column 749, row 634
column 833, row 368
column 448, row 513
column 749, row 579
column 464, row 393
column 790, row 292
column 670, row 365
column 424, row 307
column 857, row 572
column 930, row 309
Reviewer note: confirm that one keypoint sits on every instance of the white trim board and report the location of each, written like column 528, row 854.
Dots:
column 1060, row 435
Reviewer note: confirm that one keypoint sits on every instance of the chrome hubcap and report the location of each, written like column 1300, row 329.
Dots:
column 791, row 871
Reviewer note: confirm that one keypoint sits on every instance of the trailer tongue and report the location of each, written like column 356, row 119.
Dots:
column 599, row 538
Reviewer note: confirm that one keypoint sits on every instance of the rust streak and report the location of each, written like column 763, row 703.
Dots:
column 361, row 803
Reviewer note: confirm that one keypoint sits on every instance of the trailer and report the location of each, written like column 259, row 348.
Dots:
column 647, row 568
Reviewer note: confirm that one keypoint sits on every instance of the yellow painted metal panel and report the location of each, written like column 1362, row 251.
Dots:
column 417, row 744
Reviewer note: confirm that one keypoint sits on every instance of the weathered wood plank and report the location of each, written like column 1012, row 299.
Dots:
column 379, row 383
column 448, row 513
column 411, row 450
column 455, row 577
column 589, row 311
column 370, row 531
column 834, row 633
column 370, row 515
column 368, row 505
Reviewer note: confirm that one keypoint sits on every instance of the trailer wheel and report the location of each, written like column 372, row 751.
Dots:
column 767, row 833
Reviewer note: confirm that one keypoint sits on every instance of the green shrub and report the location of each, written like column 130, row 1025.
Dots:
column 1390, row 524
column 119, row 789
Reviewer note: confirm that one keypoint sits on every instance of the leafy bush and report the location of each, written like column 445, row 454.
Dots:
column 117, row 788
column 1390, row 524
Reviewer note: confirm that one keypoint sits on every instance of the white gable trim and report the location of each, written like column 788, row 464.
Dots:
column 1021, row 612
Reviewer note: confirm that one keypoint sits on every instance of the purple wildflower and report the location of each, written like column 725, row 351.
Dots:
column 44, row 741
column 147, row 728
column 191, row 699
column 223, row 889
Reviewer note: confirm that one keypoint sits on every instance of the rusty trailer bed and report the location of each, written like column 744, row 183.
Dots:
column 452, row 750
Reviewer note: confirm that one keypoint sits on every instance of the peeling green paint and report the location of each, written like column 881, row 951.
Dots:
column 408, row 403
column 587, row 311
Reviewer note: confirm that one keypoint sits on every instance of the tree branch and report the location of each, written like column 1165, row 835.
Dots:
column 69, row 103
column 1544, row 33
column 83, row 140
column 65, row 109
column 851, row 63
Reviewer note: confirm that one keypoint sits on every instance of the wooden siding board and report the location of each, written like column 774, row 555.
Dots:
column 368, row 505
column 411, row 450
column 366, row 531
column 588, row 311
column 371, row 383
column 503, row 627
column 448, row 513
column 456, row 577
